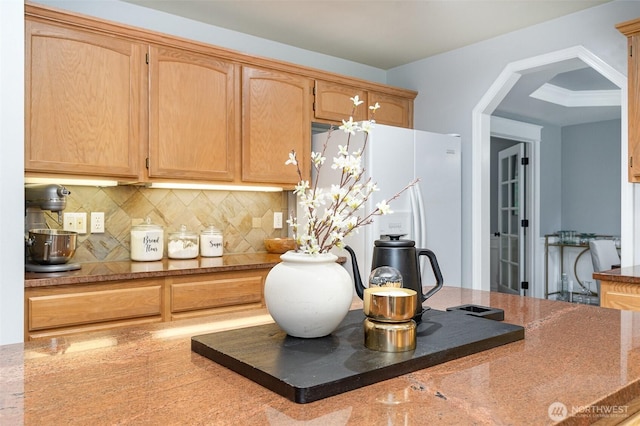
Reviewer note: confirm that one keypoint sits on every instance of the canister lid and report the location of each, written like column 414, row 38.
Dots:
column 183, row 233
column 146, row 226
column 211, row 230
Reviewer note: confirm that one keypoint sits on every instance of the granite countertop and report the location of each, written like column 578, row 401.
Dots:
column 129, row 270
column 627, row 275
column 95, row 272
column 585, row 357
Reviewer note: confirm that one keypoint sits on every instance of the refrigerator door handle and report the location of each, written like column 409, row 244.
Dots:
column 420, row 217
column 417, row 215
column 414, row 215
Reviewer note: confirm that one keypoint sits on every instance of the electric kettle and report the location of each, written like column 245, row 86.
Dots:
column 402, row 255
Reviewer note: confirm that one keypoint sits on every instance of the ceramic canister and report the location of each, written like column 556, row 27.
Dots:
column 147, row 241
column 211, row 242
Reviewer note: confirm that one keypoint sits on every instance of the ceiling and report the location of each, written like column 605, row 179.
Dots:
column 386, row 34
column 594, row 95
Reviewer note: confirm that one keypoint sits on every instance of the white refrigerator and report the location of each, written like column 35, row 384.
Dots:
column 429, row 213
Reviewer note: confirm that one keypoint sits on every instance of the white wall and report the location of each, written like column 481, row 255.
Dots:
column 451, row 84
column 11, row 170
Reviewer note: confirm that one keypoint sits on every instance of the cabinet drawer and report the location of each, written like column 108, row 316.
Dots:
column 214, row 291
column 91, row 306
column 620, row 296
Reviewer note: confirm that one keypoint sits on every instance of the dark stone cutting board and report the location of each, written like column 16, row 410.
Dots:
column 306, row 370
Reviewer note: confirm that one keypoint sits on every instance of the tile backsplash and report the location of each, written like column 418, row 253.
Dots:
column 245, row 218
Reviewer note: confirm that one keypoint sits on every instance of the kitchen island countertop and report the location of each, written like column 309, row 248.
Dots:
column 627, row 275
column 582, row 359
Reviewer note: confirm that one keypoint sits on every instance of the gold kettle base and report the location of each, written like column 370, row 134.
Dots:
column 390, row 336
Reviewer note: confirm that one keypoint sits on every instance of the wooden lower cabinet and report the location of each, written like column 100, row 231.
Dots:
column 62, row 310
column 207, row 294
column 620, row 295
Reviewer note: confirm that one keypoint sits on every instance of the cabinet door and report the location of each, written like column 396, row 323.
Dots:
column 192, row 123
column 83, row 103
column 333, row 102
column 199, row 295
column 59, row 310
column 634, row 109
column 393, row 111
column 276, row 118
column 618, row 295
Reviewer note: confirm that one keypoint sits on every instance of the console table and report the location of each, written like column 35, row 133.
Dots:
column 553, row 240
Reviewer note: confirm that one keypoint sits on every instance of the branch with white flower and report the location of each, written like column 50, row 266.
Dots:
column 344, row 200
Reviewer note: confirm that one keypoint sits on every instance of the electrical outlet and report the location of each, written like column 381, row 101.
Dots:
column 81, row 222
column 69, row 222
column 277, row 220
column 97, row 222
column 75, row 222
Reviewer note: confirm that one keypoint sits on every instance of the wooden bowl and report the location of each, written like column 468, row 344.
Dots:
column 279, row 245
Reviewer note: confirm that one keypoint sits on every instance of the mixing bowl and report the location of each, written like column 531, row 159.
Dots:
column 51, row 246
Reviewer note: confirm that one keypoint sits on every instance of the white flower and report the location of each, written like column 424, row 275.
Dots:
column 292, row 159
column 367, row 126
column 356, row 100
column 374, row 107
column 301, row 187
column 383, row 207
column 317, row 159
column 349, row 126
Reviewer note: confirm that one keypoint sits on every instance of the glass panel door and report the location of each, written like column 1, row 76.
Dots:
column 511, row 214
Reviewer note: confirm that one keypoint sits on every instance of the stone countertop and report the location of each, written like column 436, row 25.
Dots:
column 96, row 272
column 129, row 270
column 585, row 357
column 627, row 275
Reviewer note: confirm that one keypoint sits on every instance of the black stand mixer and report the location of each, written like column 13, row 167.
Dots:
column 47, row 250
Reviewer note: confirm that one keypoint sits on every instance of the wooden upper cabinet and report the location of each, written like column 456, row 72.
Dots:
column 276, row 118
column 193, row 103
column 631, row 29
column 111, row 101
column 333, row 102
column 84, row 102
column 393, row 111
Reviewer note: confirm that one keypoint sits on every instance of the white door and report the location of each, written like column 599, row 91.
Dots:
column 511, row 219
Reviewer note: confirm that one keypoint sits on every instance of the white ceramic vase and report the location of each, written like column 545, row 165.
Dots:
column 308, row 295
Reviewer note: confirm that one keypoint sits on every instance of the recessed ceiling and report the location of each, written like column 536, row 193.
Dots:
column 578, row 81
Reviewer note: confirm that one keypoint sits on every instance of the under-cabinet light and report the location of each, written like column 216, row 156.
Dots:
column 214, row 187
column 67, row 181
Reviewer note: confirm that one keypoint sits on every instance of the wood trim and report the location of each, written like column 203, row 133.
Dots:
column 215, row 311
column 629, row 27
column 63, row 331
column 46, row 13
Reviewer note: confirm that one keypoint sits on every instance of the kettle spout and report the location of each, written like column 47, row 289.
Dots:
column 356, row 273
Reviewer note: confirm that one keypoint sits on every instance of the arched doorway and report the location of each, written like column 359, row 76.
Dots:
column 481, row 133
